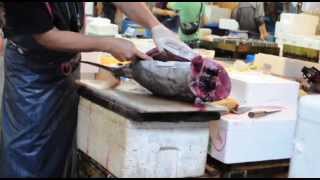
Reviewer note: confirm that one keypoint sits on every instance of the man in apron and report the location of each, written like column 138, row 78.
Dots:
column 40, row 99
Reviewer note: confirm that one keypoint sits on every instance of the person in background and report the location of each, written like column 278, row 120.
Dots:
column 98, row 9
column 250, row 16
column 272, row 15
column 289, row 7
column 113, row 13
column 109, row 11
column 191, row 16
column 167, row 17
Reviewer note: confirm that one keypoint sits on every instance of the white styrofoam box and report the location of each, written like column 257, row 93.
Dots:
column 282, row 29
column 99, row 26
column 256, row 89
column 310, row 41
column 229, row 24
column 298, row 24
column 292, row 18
column 305, row 162
column 141, row 149
column 311, row 7
column 283, row 66
column 239, row 139
column 143, row 45
column 214, row 13
column 89, row 8
column 203, row 32
column 89, row 19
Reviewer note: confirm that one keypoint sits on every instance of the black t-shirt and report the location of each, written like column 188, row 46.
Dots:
column 24, row 19
column 27, row 18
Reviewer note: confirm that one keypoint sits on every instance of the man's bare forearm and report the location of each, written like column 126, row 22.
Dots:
column 263, row 29
column 71, row 42
column 139, row 12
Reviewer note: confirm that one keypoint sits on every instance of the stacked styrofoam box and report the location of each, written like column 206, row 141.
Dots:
column 215, row 13
column 141, row 149
column 89, row 8
column 203, row 32
column 283, row 66
column 305, row 162
column 297, row 24
column 239, row 139
column 228, row 24
column 311, row 7
column 310, row 41
column 98, row 26
column 298, row 30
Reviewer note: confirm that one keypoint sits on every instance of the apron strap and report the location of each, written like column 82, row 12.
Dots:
column 49, row 9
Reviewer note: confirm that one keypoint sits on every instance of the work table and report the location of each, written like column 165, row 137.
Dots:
column 133, row 101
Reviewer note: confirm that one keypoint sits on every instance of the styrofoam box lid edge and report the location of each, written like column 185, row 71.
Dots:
column 309, row 108
column 257, row 78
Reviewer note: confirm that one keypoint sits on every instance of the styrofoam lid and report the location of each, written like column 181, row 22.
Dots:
column 311, row 7
column 229, row 24
column 99, row 20
column 258, row 77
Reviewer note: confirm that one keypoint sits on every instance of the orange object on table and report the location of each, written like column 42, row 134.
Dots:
column 112, row 62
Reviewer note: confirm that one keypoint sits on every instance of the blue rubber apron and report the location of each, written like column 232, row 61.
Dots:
column 40, row 103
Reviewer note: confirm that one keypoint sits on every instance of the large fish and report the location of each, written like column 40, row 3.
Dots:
column 199, row 80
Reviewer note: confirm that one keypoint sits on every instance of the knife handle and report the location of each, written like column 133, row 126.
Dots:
column 257, row 114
